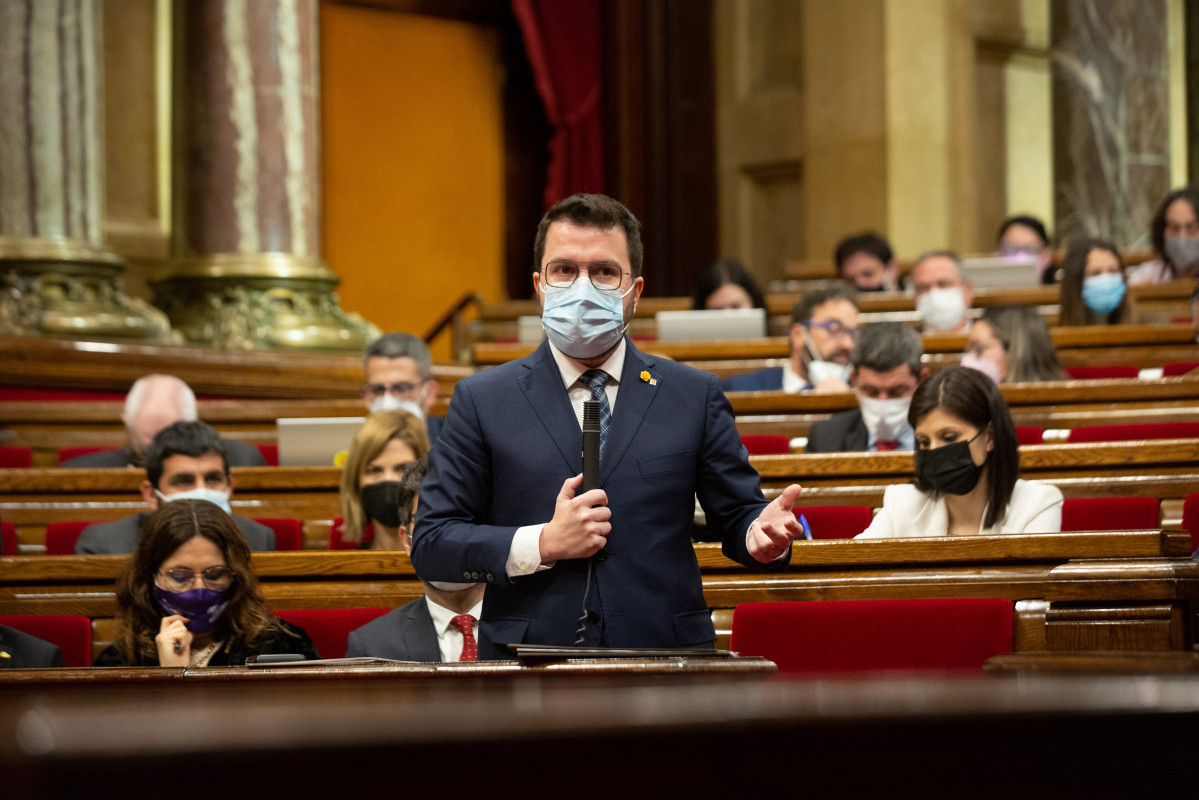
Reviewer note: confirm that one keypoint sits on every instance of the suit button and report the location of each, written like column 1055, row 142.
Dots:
column 593, row 616
column 490, row 578
column 601, row 556
column 466, row 575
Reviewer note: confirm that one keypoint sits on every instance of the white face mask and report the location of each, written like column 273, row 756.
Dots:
column 447, row 586
column 941, row 309
column 886, row 419
column 819, row 371
column 390, row 402
column 218, row 498
column 1183, row 251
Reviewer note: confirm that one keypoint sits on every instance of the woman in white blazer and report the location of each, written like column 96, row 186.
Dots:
column 967, row 468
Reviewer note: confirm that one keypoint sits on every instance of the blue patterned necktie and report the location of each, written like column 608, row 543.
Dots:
column 595, row 379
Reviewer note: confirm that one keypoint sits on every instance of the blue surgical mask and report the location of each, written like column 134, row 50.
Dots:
column 1103, row 293
column 582, row 321
column 219, row 498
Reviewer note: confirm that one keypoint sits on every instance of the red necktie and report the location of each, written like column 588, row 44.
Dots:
column 466, row 624
column 881, row 445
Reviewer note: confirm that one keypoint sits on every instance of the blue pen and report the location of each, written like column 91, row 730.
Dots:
column 807, row 531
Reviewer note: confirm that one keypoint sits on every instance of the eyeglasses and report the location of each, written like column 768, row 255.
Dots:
column 180, row 580
column 401, row 389
column 834, row 328
column 604, row 275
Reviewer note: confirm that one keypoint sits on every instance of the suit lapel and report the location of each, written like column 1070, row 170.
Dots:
column 633, row 400
column 859, row 437
column 542, row 386
column 420, row 637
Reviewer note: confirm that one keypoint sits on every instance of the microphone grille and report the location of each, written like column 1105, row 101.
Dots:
column 591, row 414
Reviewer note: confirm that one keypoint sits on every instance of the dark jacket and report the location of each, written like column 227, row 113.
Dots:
column 19, row 650
column 291, row 639
column 120, row 537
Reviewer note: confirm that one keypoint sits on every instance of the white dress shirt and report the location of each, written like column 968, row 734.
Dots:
column 449, row 638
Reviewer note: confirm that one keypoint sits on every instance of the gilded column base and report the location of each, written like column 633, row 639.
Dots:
column 258, row 301
column 67, row 288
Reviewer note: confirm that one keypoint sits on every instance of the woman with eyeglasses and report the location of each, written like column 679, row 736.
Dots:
column 967, row 468
column 188, row 597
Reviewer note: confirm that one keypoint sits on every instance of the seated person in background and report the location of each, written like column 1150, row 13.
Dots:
column 399, row 375
column 383, row 447
column 185, row 461
column 1093, row 287
column 1195, row 310
column 154, row 402
column 726, row 283
column 885, row 372
column 865, row 261
column 188, row 597
column 824, row 325
column 1025, row 236
column 430, row 628
column 19, row 650
column 1174, row 232
column 1011, row 344
column 967, row 468
column 943, row 295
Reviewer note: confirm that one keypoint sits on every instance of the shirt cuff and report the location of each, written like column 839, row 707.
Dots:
column 777, row 558
column 524, row 558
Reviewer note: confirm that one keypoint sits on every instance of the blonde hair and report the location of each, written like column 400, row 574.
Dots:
column 378, row 429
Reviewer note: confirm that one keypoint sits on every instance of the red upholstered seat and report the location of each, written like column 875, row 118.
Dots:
column 67, row 453
column 338, row 543
column 1179, row 368
column 1134, row 432
column 61, row 536
column 72, row 634
column 835, row 522
column 766, row 445
column 270, row 452
column 874, row 635
column 1190, row 518
column 16, row 458
column 1030, row 434
column 1109, row 371
column 330, row 628
column 289, row 533
column 8, row 539
column 1110, row 513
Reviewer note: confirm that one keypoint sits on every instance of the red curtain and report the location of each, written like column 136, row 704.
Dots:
column 562, row 41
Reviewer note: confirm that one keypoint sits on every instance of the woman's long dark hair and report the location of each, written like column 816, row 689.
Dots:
column 174, row 524
column 1074, row 310
column 972, row 397
column 721, row 272
column 1157, row 228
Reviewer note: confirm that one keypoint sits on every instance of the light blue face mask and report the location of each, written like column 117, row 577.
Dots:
column 582, row 321
column 219, row 498
column 1103, row 293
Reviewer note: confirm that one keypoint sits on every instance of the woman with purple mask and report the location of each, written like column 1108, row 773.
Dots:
column 188, row 598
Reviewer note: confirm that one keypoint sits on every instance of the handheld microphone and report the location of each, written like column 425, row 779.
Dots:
column 591, row 444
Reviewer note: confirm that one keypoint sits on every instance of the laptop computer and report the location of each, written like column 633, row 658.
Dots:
column 1001, row 272
column 315, row 441
column 728, row 323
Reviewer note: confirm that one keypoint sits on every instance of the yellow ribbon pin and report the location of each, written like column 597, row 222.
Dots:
column 645, row 377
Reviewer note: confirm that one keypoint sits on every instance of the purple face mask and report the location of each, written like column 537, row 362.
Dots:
column 202, row 607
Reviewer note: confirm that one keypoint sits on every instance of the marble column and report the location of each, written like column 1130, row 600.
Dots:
column 1111, row 144
column 246, row 269
column 57, row 276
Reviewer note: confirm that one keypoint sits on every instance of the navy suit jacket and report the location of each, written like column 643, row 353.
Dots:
column 841, row 433
column 404, row 634
column 510, row 441
column 763, row 380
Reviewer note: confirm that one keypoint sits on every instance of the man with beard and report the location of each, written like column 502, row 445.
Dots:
column 504, row 504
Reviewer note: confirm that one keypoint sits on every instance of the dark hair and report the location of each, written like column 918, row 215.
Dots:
column 414, row 476
column 593, row 211
column 174, row 524
column 1157, row 228
column 883, row 346
column 192, row 439
column 402, row 345
column 1031, row 354
column 802, row 311
column 870, row 243
column 721, row 272
column 1027, row 221
column 1074, row 310
column 974, row 398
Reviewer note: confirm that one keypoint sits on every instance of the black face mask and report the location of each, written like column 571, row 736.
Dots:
column 381, row 502
column 949, row 468
column 879, row 288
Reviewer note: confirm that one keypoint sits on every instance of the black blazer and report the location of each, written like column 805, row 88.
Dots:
column 19, row 650
column 841, row 433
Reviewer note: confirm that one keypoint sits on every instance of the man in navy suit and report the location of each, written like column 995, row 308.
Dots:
column 824, row 325
column 503, row 503
column 399, row 375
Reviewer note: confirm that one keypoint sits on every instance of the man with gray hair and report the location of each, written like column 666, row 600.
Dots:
column 943, row 295
column 399, row 375
column 886, row 369
column 153, row 403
